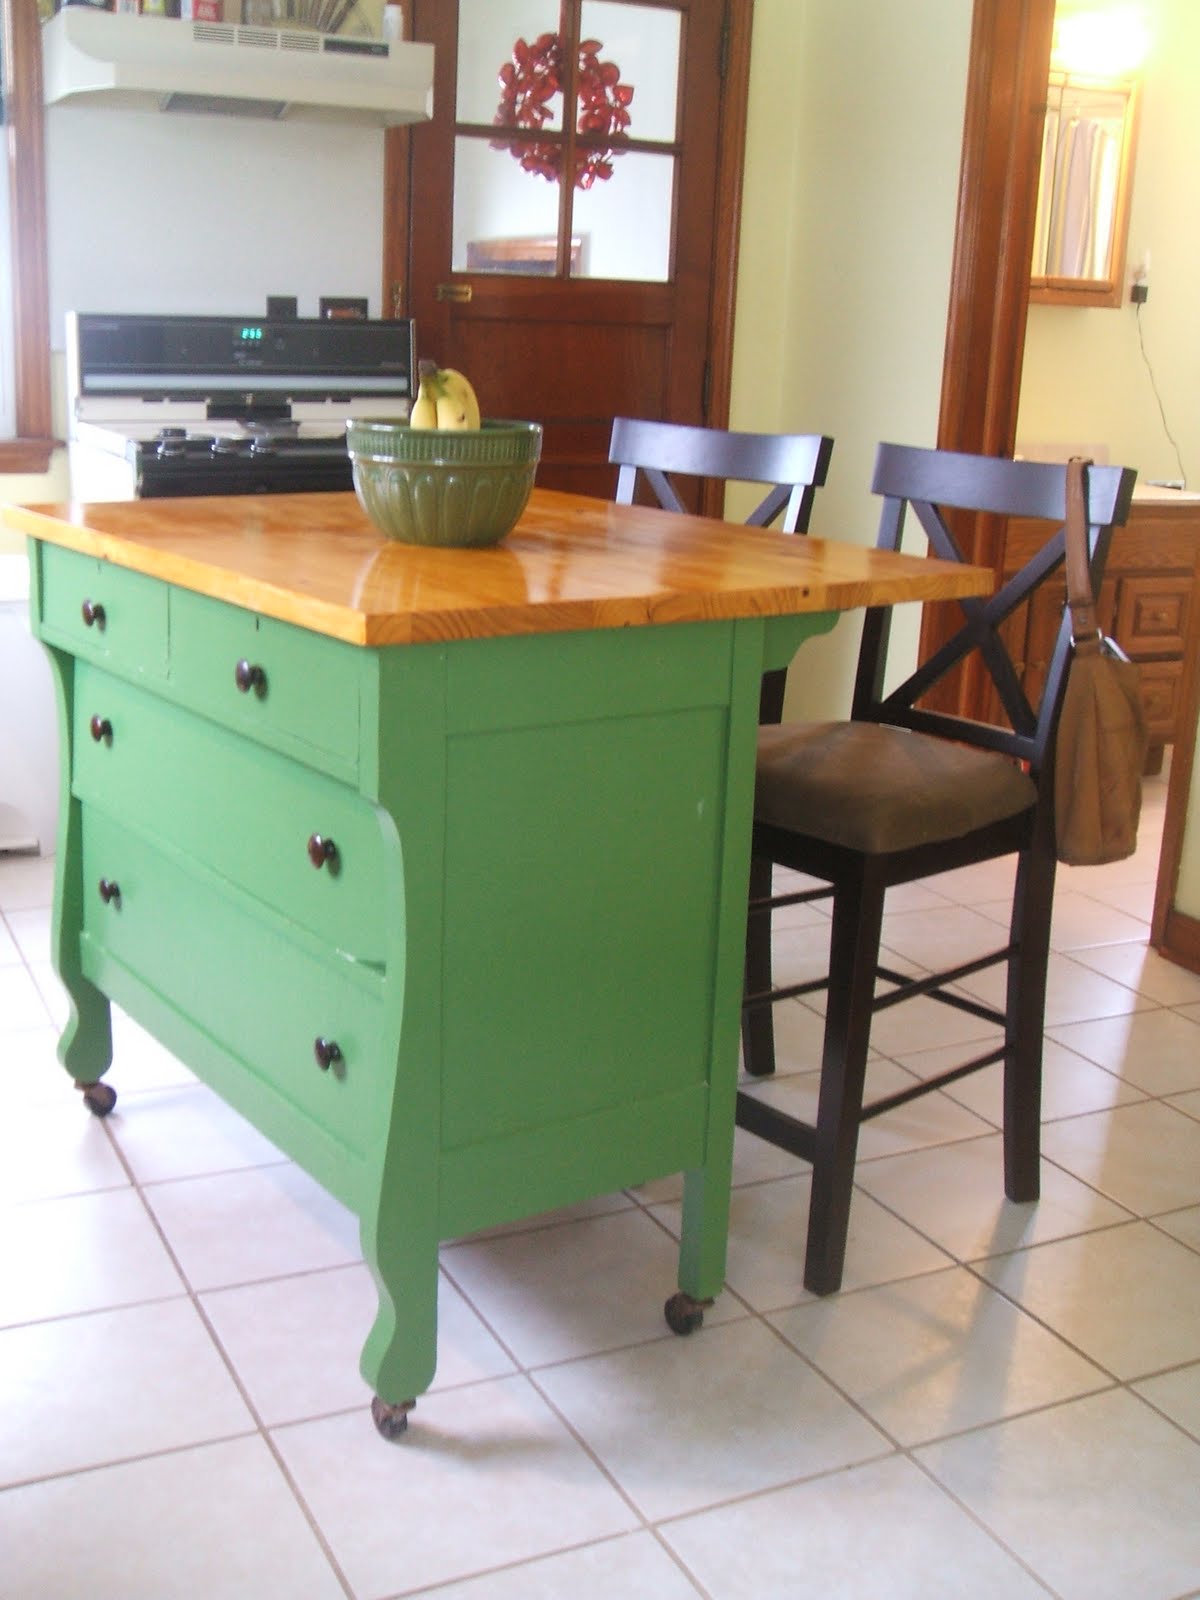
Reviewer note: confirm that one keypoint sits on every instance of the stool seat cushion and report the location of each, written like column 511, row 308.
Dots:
column 876, row 789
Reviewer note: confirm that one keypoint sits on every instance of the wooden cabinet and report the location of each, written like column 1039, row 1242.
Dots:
column 1145, row 602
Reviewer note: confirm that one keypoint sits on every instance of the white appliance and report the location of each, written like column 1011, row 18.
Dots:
column 174, row 405
column 28, row 722
column 114, row 59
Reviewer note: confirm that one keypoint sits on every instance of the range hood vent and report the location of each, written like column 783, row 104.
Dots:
column 109, row 58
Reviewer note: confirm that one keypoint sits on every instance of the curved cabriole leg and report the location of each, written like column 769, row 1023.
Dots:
column 85, row 1045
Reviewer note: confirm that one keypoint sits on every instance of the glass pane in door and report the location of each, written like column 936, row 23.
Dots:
column 624, row 222
column 642, row 44
column 518, row 37
column 505, row 218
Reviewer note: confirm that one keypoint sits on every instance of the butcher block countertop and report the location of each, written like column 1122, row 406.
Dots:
column 571, row 563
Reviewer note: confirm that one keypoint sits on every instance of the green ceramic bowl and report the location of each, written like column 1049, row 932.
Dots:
column 438, row 486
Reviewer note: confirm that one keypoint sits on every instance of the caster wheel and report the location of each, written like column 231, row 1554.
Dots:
column 99, row 1098
column 684, row 1315
column 391, row 1420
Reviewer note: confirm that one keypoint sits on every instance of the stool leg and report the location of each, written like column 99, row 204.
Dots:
column 758, row 1022
column 1025, row 1020
column 853, row 958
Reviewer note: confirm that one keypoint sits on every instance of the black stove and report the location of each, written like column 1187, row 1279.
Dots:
column 164, row 405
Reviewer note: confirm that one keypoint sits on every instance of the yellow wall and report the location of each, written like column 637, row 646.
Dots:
column 31, row 489
column 1085, row 379
column 853, row 147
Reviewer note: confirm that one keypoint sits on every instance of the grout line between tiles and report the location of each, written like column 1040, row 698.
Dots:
column 260, row 1427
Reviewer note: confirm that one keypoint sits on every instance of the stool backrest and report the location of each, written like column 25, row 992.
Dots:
column 932, row 483
column 794, row 464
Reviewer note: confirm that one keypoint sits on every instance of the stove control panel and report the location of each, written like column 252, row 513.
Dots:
column 234, row 362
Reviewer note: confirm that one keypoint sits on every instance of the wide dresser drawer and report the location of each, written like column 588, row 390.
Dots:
column 299, row 841
column 308, row 1031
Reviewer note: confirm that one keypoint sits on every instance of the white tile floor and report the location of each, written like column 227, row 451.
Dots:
column 1002, row 1402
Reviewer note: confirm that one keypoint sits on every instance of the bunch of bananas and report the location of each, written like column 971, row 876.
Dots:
column 445, row 399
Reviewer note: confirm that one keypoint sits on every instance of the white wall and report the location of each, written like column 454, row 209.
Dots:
column 207, row 214
column 854, row 143
column 150, row 211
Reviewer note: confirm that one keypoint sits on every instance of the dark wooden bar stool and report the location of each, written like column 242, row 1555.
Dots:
column 899, row 793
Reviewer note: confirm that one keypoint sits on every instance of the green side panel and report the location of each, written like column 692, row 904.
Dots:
column 131, row 639
column 245, row 812
column 309, row 707
column 581, row 866
column 260, row 998
column 541, row 1168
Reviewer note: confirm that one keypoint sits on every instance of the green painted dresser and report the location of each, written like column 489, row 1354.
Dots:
column 432, row 863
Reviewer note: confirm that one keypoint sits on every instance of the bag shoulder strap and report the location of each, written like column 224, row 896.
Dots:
column 1085, row 631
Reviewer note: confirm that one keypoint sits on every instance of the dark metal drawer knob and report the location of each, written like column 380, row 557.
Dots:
column 327, row 1051
column 101, row 729
column 249, row 676
column 93, row 614
column 322, row 849
column 110, row 891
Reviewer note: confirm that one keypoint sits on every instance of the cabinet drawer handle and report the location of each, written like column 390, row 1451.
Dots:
column 249, row 676
column 93, row 614
column 101, row 729
column 327, row 1051
column 110, row 890
column 322, row 849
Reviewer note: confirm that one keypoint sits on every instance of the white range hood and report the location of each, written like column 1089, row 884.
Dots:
column 108, row 58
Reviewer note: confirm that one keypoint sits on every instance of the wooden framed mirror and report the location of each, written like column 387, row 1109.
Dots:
column 1082, row 224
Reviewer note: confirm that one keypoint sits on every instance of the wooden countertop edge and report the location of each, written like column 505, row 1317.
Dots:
column 434, row 623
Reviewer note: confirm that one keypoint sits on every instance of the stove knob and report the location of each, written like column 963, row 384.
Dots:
column 262, row 446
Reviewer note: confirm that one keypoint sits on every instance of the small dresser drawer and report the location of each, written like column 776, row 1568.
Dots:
column 303, row 843
column 103, row 613
column 266, row 1002
column 279, row 684
column 1152, row 615
column 1161, row 684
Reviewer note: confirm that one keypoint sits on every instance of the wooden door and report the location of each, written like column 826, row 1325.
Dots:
column 569, row 303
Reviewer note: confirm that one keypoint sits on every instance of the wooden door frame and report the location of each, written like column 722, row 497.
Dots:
column 735, row 94
column 989, row 288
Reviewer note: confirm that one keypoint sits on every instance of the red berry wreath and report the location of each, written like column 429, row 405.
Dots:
column 528, row 83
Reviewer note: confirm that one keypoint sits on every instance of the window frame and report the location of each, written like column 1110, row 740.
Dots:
column 31, row 449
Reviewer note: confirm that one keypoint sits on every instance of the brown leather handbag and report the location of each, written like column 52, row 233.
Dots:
column 1102, row 737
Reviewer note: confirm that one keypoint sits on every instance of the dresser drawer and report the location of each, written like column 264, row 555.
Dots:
column 1152, row 615
column 262, row 999
column 245, row 812
column 1161, row 685
column 296, row 690
column 103, row 613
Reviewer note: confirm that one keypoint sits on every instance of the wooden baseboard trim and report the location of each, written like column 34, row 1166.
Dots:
column 1181, row 940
